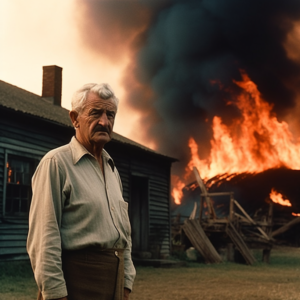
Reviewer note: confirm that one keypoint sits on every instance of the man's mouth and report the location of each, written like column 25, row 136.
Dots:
column 102, row 132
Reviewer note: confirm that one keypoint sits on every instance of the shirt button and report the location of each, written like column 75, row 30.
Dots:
column 112, row 208
column 116, row 253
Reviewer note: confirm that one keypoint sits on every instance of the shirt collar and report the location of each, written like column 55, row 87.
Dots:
column 78, row 151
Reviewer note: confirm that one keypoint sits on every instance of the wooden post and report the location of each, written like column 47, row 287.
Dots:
column 230, row 252
column 205, row 194
column 266, row 255
column 231, row 208
column 270, row 219
column 201, row 208
column 268, row 229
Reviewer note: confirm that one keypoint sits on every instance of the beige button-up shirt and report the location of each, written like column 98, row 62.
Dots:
column 73, row 206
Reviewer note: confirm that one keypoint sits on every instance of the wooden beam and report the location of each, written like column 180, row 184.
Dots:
column 251, row 220
column 193, row 213
column 240, row 244
column 217, row 194
column 204, row 193
column 242, row 218
column 200, row 241
column 286, row 227
column 257, row 234
column 200, row 181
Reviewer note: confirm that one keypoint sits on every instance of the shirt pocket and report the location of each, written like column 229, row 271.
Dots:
column 125, row 218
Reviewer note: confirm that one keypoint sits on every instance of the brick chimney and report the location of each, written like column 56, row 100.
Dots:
column 52, row 84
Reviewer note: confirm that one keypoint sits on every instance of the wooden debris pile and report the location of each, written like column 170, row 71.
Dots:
column 241, row 232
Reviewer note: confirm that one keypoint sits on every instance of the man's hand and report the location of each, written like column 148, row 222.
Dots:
column 126, row 293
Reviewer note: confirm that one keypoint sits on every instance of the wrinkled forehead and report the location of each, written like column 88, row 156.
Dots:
column 93, row 101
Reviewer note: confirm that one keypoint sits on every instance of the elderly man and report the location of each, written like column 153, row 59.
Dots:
column 79, row 232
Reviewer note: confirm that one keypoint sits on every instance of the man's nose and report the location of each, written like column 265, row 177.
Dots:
column 103, row 120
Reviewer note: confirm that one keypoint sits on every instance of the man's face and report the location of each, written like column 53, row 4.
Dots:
column 96, row 121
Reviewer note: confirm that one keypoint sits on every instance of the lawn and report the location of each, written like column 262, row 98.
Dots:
column 280, row 280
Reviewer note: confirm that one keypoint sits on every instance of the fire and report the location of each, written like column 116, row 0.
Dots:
column 178, row 185
column 279, row 198
column 253, row 143
column 193, row 186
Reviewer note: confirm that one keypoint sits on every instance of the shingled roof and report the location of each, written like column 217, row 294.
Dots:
column 20, row 100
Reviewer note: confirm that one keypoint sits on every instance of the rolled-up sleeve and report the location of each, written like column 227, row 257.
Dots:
column 129, row 269
column 44, row 240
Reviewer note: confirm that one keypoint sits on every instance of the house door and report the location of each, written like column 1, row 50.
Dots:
column 139, row 213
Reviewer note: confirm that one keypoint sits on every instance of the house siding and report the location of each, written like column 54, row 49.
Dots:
column 2, row 168
column 25, row 136
column 129, row 163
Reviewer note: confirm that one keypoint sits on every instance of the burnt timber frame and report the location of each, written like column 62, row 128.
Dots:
column 242, row 232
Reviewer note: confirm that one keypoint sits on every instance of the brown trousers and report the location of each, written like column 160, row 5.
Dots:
column 94, row 274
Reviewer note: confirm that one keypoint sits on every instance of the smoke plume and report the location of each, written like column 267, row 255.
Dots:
column 185, row 56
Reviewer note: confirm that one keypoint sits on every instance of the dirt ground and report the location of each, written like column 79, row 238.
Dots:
column 277, row 281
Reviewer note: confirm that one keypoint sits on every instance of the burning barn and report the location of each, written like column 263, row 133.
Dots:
column 31, row 126
column 219, row 80
column 256, row 158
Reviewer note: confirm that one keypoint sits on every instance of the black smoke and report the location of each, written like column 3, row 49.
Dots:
column 185, row 60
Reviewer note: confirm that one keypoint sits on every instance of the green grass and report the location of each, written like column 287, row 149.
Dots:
column 226, row 281
column 16, row 281
column 278, row 280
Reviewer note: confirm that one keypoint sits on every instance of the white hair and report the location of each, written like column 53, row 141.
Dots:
column 104, row 91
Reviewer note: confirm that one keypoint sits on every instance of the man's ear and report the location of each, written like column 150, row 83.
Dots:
column 74, row 118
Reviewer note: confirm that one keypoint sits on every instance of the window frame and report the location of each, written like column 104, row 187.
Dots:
column 33, row 155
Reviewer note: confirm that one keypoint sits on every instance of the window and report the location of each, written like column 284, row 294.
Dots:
column 19, row 171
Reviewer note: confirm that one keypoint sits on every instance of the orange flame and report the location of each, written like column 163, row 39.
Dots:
column 254, row 143
column 279, row 198
column 193, row 186
column 296, row 215
column 178, row 185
